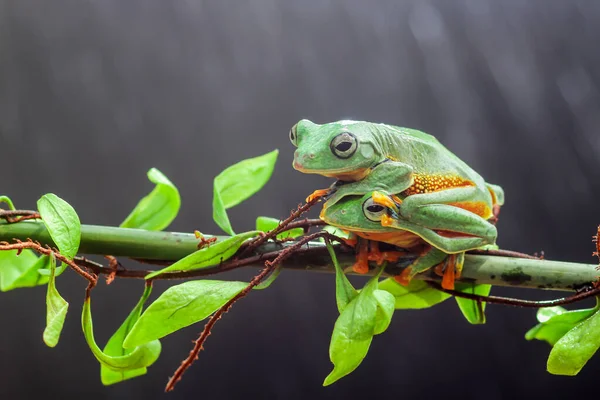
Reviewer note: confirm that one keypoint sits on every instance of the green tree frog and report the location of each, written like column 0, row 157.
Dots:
column 427, row 196
column 440, row 242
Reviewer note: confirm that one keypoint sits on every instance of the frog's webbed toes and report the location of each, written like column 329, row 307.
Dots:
column 385, row 200
column 317, row 194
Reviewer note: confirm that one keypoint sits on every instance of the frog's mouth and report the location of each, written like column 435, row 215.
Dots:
column 341, row 174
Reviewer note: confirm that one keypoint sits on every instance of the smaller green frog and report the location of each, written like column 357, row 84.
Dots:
column 439, row 242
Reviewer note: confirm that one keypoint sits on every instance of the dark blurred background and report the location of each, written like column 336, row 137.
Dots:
column 94, row 93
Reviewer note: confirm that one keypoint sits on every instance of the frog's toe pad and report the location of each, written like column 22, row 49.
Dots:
column 404, row 277
column 317, row 194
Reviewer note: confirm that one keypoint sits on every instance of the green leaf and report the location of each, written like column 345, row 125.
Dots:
column 7, row 200
column 344, row 291
column 56, row 309
column 208, row 256
column 114, row 347
column 266, row 224
column 572, row 351
column 417, row 295
column 472, row 310
column 159, row 208
column 336, row 232
column 21, row 271
column 237, row 183
column 180, row 306
column 267, row 282
column 385, row 310
column 139, row 358
column 555, row 322
column 353, row 333
column 62, row 223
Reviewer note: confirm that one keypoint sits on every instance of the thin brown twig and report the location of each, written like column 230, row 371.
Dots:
column 283, row 226
column 47, row 250
column 508, row 301
column 14, row 216
column 269, row 267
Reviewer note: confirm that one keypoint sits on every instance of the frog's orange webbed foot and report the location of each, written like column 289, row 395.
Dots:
column 404, row 277
column 381, row 256
column 317, row 194
column 361, row 266
column 386, row 220
column 390, row 202
column 449, row 270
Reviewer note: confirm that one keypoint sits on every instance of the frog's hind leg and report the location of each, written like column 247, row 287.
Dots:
column 458, row 210
column 381, row 256
column 368, row 250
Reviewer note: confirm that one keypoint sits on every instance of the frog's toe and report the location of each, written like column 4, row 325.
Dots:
column 361, row 266
column 317, row 194
column 404, row 277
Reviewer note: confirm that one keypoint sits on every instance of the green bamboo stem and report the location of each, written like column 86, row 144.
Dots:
column 172, row 246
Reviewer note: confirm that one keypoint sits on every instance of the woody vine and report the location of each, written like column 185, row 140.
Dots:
column 37, row 246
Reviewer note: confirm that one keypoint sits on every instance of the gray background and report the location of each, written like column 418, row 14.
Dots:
column 94, row 93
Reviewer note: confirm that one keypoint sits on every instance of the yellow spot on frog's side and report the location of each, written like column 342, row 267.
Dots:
column 433, row 183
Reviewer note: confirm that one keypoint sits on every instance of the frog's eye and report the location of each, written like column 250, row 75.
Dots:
column 344, row 145
column 373, row 211
column 294, row 136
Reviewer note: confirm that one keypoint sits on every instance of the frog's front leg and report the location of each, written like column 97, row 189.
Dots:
column 368, row 250
column 324, row 192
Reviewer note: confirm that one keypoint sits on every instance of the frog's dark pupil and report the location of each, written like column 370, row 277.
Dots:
column 344, row 146
column 375, row 208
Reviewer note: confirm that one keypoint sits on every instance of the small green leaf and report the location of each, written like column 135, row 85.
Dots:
column 45, row 271
column 56, row 309
column 159, row 208
column 62, row 223
column 547, row 313
column 353, row 333
column 572, row 351
column 267, row 282
column 208, row 256
column 473, row 311
column 180, row 306
column 417, row 295
column 237, row 183
column 139, row 358
column 555, row 322
column 266, row 224
column 336, row 232
column 7, row 200
column 344, row 291
column 21, row 271
column 114, row 347
column 385, row 310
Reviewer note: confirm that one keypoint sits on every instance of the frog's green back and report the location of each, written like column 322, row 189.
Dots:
column 423, row 152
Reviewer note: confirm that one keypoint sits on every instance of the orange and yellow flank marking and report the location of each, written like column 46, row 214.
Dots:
column 434, row 183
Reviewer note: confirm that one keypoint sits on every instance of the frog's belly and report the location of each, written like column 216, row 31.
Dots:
column 398, row 238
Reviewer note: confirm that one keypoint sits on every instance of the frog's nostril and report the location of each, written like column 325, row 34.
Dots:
column 311, row 155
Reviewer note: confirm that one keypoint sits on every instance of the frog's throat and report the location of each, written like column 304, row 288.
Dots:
column 341, row 174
